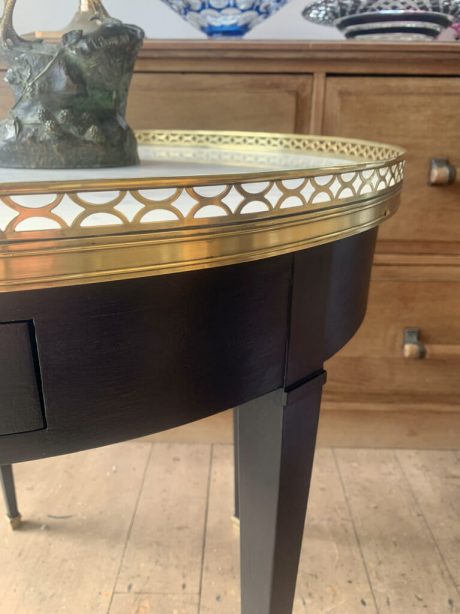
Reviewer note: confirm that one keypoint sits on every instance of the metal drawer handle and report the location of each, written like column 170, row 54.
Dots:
column 415, row 349
column 442, row 172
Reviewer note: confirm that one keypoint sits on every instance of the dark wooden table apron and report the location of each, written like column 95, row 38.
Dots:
column 89, row 365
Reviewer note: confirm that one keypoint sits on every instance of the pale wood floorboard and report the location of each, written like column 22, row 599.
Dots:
column 221, row 574
column 406, row 570
column 129, row 603
column 408, row 429
column 78, row 509
column 143, row 528
column 332, row 576
column 434, row 478
column 164, row 550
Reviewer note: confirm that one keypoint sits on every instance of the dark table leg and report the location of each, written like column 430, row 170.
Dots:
column 277, row 435
column 237, row 461
column 9, row 494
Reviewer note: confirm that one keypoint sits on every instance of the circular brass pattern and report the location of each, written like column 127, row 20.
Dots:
column 230, row 218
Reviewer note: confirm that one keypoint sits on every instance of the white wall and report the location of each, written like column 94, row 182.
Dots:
column 159, row 21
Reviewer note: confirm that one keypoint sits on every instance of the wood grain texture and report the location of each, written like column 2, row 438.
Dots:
column 404, row 565
column 318, row 99
column 6, row 96
column 375, row 355
column 220, row 591
column 125, row 359
column 127, row 603
column 77, row 512
column 383, row 426
column 71, row 564
column 391, row 109
column 215, row 429
column 165, row 546
column 21, row 408
column 271, row 103
column 300, row 56
column 332, row 576
column 379, row 427
column 434, row 478
column 151, row 353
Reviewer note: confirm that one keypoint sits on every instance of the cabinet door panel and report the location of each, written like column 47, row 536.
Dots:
column 275, row 103
column 420, row 114
column 6, row 96
column 371, row 370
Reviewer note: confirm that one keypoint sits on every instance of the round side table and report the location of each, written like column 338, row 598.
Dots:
column 220, row 273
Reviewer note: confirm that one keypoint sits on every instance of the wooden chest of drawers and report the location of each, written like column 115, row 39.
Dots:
column 403, row 94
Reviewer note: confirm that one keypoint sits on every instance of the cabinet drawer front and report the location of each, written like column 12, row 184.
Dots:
column 274, row 103
column 6, row 96
column 420, row 114
column 270, row 103
column 20, row 403
column 371, row 370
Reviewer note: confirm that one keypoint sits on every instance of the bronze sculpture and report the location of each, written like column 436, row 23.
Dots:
column 70, row 94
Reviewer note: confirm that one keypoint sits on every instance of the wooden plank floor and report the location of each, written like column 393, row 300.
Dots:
column 142, row 528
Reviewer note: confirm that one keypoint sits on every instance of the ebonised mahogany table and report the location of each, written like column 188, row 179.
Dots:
column 220, row 273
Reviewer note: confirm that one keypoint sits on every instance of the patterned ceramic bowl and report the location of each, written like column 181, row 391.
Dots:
column 394, row 25
column 225, row 18
column 385, row 19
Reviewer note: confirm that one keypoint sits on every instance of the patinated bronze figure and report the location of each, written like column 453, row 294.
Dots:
column 71, row 94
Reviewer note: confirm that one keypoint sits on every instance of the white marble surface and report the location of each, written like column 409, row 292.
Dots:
column 57, row 210
column 181, row 162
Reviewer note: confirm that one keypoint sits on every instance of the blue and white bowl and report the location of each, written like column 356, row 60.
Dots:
column 385, row 19
column 225, row 18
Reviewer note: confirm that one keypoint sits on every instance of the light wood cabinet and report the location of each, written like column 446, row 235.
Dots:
column 276, row 103
column 6, row 96
column 406, row 94
column 417, row 274
column 422, row 115
column 371, row 372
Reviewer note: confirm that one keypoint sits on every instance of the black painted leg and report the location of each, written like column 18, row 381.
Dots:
column 237, row 462
column 9, row 494
column 277, row 435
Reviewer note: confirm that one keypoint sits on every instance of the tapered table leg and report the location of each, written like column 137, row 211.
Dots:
column 236, row 516
column 9, row 494
column 277, row 435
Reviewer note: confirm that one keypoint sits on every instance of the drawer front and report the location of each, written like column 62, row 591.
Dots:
column 20, row 401
column 271, row 103
column 6, row 96
column 420, row 114
column 275, row 103
column 371, row 371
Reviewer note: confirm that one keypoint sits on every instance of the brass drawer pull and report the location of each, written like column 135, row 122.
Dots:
column 415, row 349
column 442, row 172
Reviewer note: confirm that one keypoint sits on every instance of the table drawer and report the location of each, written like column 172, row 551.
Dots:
column 371, row 371
column 20, row 400
column 275, row 103
column 421, row 115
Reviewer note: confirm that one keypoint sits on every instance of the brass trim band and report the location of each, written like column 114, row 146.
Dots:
column 295, row 209
column 82, row 261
